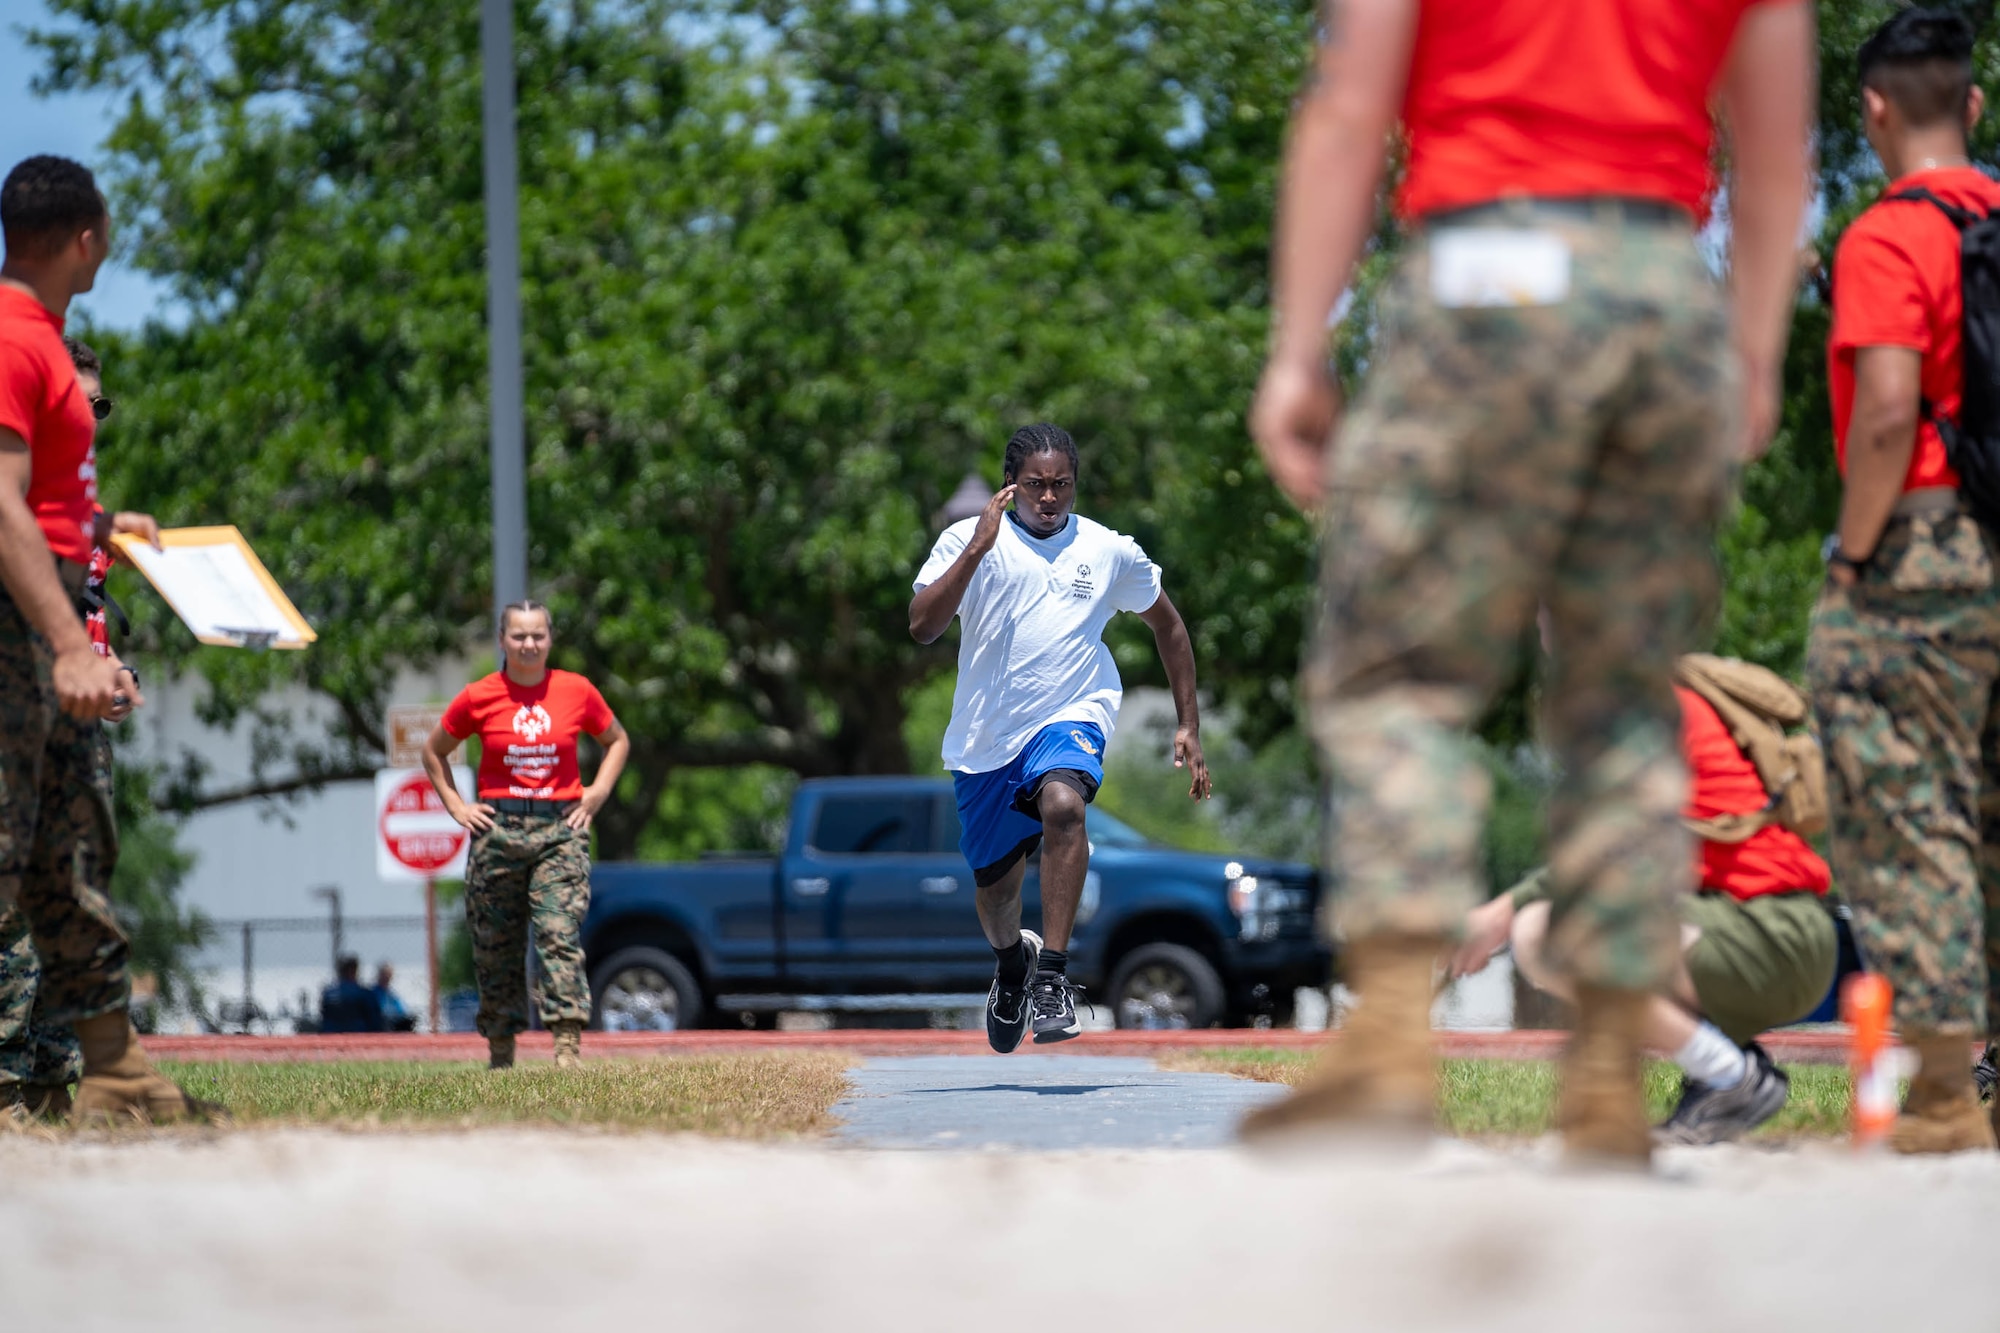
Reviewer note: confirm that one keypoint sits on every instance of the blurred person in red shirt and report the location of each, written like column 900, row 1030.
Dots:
column 1759, row 946
column 39, row 1058
column 528, row 875
column 1904, row 656
column 1558, row 394
column 57, row 832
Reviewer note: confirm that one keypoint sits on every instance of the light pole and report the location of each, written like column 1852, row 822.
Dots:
column 503, row 306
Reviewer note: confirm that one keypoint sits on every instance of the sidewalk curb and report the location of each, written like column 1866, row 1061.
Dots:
column 1813, row 1048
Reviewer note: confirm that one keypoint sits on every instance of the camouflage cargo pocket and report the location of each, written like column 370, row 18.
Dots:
column 1922, row 554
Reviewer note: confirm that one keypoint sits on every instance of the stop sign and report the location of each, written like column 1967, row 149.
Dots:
column 414, row 837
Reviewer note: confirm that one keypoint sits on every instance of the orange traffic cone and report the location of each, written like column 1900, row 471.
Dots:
column 1865, row 1003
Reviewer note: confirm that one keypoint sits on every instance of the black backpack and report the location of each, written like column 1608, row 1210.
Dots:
column 1972, row 443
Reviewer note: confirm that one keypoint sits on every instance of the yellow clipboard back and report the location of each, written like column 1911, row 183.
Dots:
column 218, row 587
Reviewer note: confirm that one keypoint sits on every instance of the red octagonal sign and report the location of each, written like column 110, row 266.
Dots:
column 415, row 829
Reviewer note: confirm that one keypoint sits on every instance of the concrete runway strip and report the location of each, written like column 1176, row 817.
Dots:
column 536, row 1231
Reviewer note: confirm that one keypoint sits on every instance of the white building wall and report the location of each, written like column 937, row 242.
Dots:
column 260, row 861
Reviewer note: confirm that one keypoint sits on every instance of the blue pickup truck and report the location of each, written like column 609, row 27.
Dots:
column 871, row 898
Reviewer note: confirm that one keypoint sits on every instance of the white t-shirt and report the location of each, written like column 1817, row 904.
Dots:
column 1031, row 651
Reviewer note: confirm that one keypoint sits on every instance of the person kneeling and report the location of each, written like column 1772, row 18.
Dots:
column 1759, row 946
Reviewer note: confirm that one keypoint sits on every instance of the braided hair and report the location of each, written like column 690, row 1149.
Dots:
column 527, row 606
column 1030, row 441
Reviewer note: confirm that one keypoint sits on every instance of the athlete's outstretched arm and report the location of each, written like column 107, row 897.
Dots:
column 932, row 609
column 1177, row 656
column 1333, row 168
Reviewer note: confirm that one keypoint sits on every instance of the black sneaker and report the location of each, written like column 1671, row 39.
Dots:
column 1716, row 1115
column 1986, row 1073
column 1007, row 1007
column 1054, row 1000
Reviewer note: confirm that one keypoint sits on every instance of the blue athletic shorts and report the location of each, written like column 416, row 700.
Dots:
column 996, row 810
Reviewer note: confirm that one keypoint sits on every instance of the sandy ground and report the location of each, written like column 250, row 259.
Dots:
column 501, row 1230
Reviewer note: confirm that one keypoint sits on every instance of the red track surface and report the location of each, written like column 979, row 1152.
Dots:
column 1789, row 1048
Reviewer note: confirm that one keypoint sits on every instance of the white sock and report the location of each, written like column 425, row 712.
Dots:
column 1713, row 1059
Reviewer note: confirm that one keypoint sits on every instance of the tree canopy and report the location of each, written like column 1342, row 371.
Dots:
column 790, row 272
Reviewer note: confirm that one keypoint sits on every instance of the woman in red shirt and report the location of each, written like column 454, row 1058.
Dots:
column 530, row 863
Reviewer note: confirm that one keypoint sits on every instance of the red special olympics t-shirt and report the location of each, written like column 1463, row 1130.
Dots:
column 1895, row 284
column 527, row 734
column 41, row 402
column 1723, row 781
column 1563, row 98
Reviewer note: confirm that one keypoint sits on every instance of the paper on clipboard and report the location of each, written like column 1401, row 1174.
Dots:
column 219, row 588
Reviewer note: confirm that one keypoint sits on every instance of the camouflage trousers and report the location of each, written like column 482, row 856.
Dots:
column 1569, row 458
column 58, row 840
column 32, row 1048
column 1905, row 676
column 528, row 876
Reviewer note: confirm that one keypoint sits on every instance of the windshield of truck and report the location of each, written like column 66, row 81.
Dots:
column 1107, row 831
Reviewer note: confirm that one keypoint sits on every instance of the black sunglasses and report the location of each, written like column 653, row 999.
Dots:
column 101, row 407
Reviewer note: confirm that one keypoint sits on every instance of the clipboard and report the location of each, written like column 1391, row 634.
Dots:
column 219, row 588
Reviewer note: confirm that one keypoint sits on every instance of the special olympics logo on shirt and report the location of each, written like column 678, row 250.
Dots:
column 532, row 723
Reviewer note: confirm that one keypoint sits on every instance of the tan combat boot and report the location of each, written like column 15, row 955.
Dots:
column 569, row 1044
column 500, row 1052
column 1942, row 1112
column 48, row 1101
column 1602, row 1114
column 1380, row 1074
column 119, row 1082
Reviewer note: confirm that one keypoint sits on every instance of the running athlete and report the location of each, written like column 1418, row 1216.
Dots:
column 1036, row 701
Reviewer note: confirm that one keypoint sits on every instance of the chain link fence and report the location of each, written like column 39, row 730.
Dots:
column 264, row 975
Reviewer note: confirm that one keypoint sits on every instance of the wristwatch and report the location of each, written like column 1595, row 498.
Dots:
column 1830, row 553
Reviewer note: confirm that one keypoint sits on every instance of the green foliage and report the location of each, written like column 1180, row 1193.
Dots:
column 1516, row 839
column 145, row 889
column 743, row 809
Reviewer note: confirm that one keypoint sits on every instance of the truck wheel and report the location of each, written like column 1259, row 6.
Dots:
column 1165, row 986
column 643, row 989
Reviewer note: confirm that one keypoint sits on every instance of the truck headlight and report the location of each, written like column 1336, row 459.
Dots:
column 1246, row 899
column 1091, row 900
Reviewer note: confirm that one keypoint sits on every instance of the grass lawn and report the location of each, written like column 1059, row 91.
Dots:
column 1517, row 1098
column 758, row 1096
